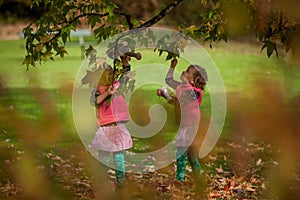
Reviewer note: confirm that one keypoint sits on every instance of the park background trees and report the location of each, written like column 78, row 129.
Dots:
column 273, row 23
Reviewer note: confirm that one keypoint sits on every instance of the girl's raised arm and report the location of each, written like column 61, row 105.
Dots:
column 169, row 77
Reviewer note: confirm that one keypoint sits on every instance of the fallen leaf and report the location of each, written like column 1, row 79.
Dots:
column 258, row 162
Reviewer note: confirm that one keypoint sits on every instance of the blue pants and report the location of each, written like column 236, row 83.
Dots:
column 119, row 162
column 181, row 155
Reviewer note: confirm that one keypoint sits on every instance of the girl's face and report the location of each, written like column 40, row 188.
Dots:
column 187, row 76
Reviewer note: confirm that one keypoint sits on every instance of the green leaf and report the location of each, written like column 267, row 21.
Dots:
column 90, row 51
column 150, row 35
column 26, row 61
column 160, row 52
column 271, row 47
column 47, row 55
column 108, row 100
column 109, row 9
column 64, row 37
column 131, row 85
column 144, row 42
column 210, row 15
column 190, row 30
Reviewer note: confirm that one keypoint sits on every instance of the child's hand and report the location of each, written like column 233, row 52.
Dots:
column 174, row 63
column 110, row 90
column 158, row 92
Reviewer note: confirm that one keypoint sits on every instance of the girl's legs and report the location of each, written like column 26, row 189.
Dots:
column 120, row 167
column 193, row 160
column 118, row 157
column 181, row 163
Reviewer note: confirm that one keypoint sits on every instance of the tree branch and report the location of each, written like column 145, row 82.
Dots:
column 117, row 12
column 161, row 15
column 127, row 17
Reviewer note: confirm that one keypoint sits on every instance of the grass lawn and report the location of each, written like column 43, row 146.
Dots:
column 238, row 63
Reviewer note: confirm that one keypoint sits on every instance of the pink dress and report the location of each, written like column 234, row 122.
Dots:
column 189, row 98
column 112, row 134
column 117, row 111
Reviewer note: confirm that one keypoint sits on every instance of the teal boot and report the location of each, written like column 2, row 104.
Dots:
column 181, row 164
column 120, row 168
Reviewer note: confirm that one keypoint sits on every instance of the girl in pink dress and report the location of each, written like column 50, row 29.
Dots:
column 112, row 113
column 188, row 97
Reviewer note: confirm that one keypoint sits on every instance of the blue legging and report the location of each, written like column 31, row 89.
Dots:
column 119, row 162
column 191, row 154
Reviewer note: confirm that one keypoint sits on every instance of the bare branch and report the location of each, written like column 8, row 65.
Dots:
column 127, row 17
column 117, row 12
column 161, row 15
